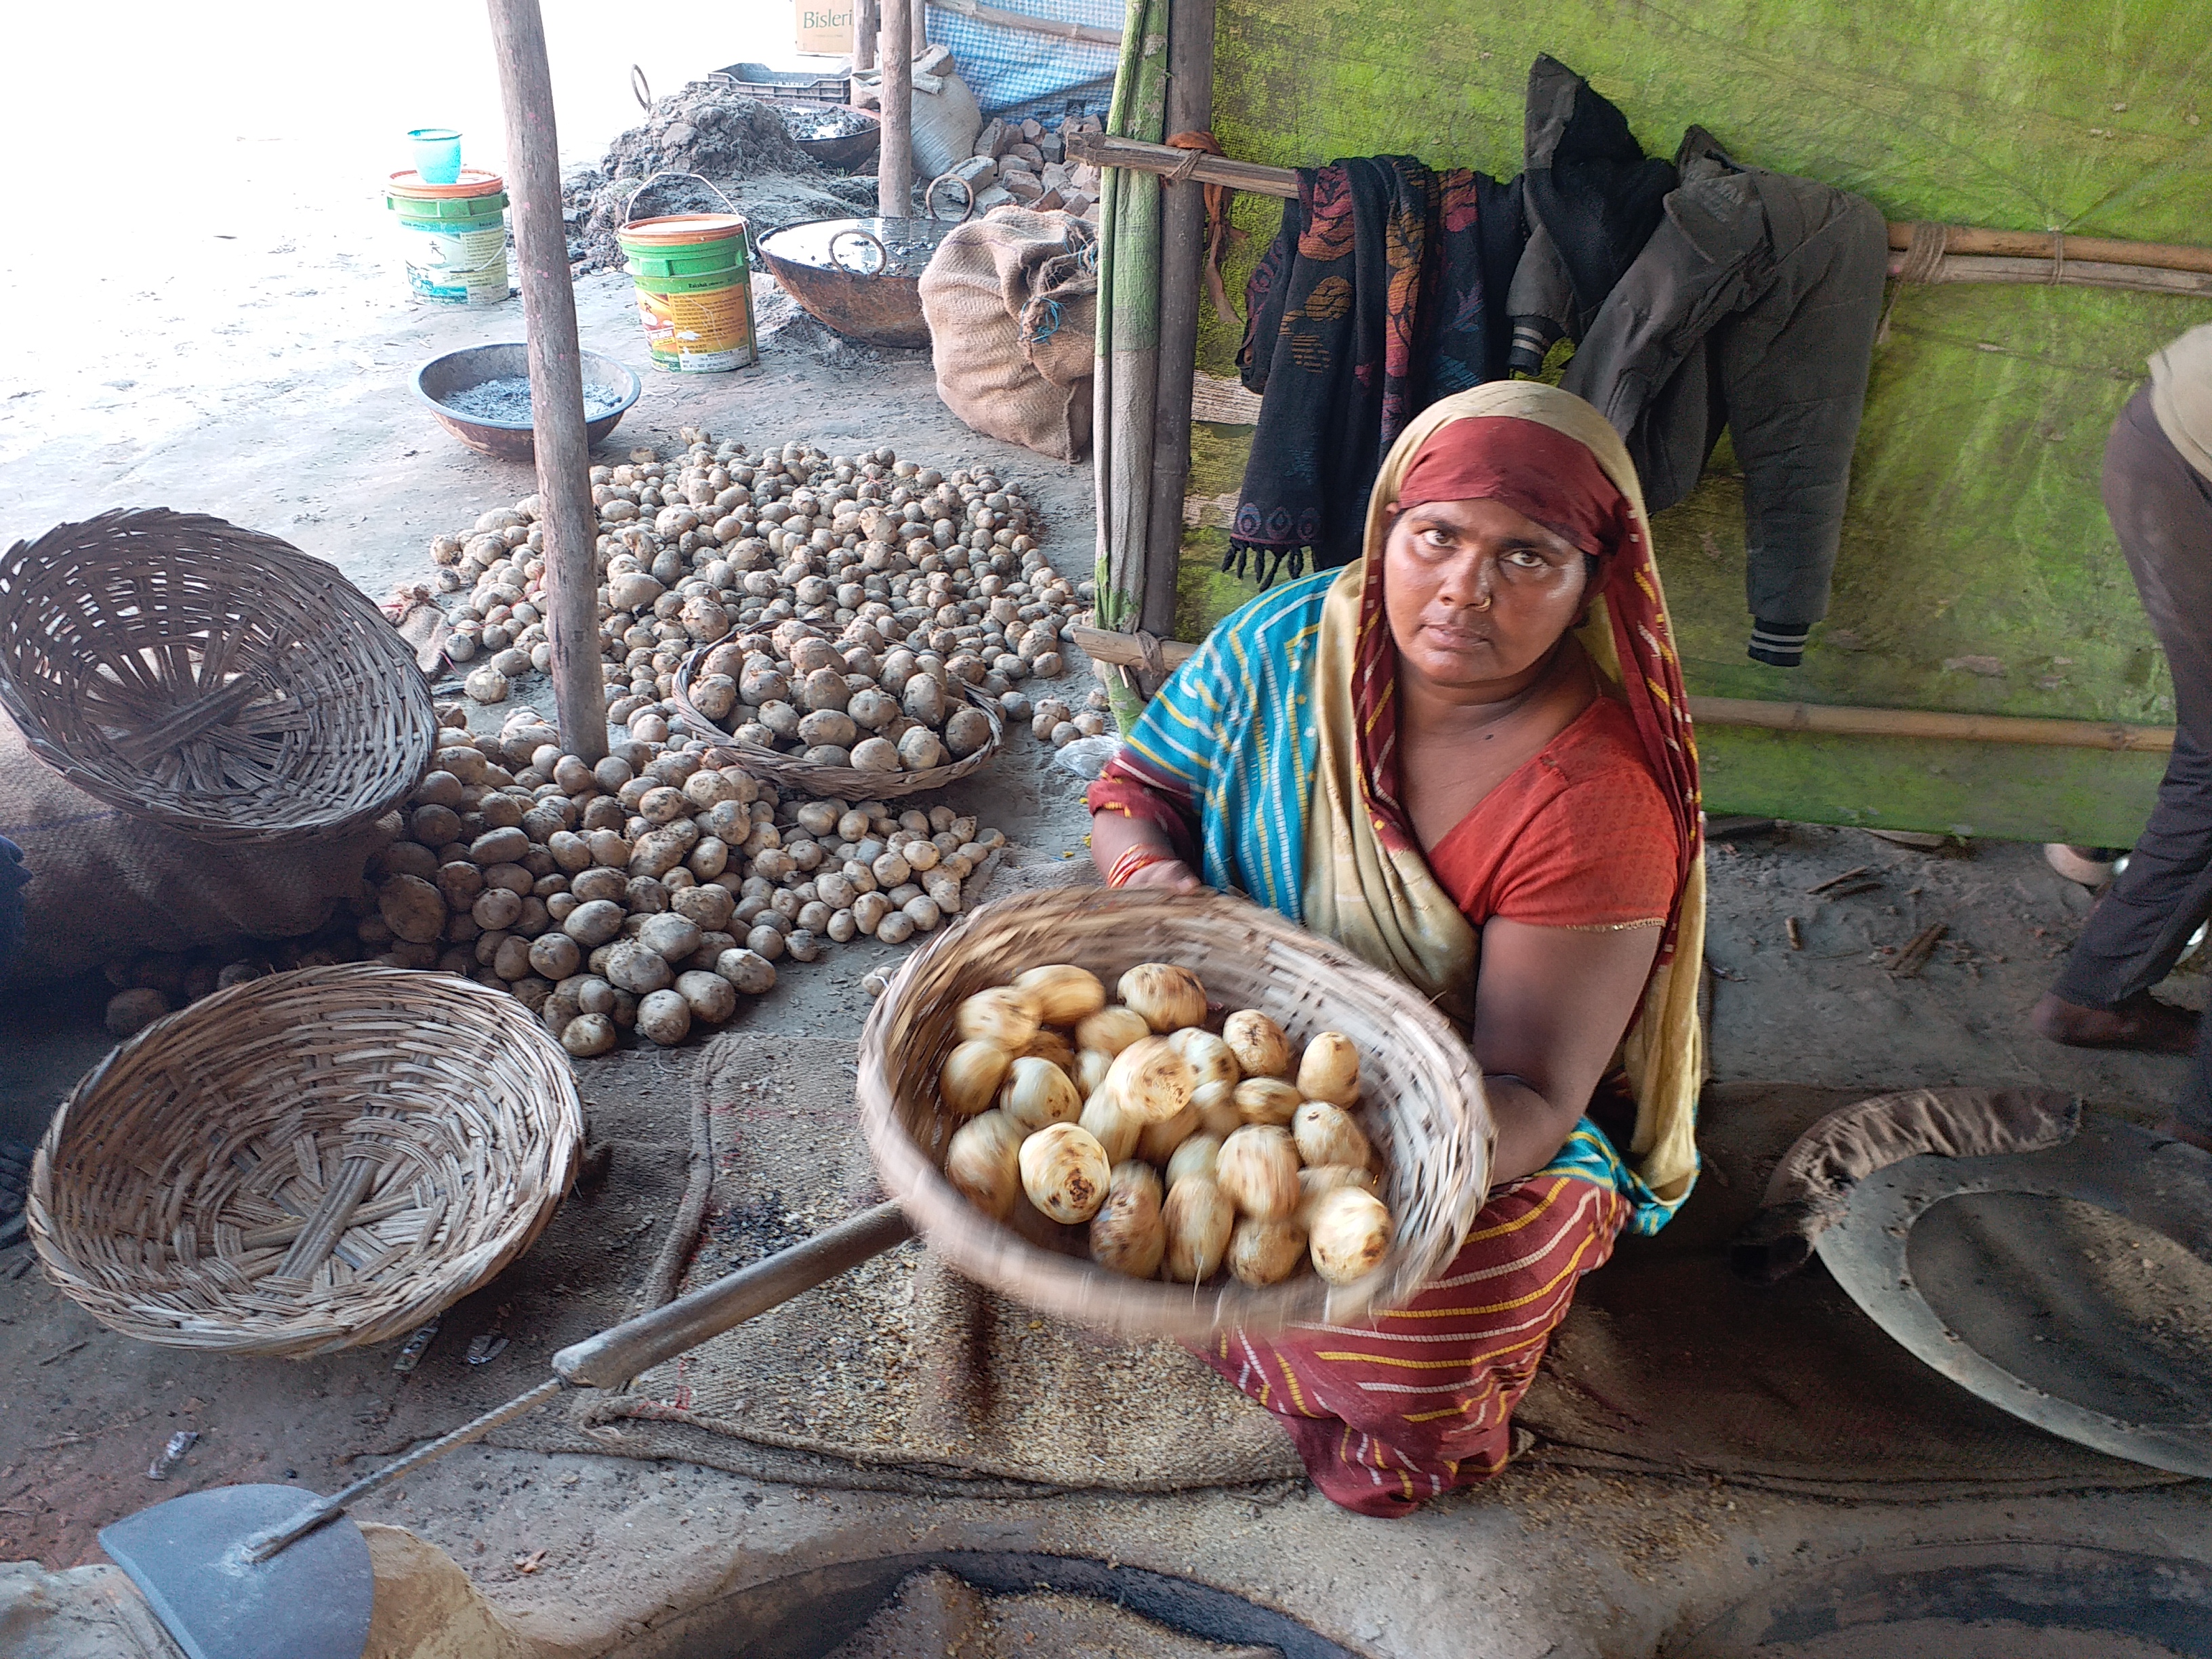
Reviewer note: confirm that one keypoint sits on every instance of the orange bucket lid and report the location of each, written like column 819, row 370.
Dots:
column 473, row 181
column 676, row 229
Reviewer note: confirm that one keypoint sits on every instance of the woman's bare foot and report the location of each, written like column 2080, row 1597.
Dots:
column 2142, row 1022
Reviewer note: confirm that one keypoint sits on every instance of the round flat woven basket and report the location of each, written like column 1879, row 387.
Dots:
column 315, row 1160
column 843, row 782
column 1421, row 1090
column 209, row 678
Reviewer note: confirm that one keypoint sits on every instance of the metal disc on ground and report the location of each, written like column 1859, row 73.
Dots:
column 2072, row 1287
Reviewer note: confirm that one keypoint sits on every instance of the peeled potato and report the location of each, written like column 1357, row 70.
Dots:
column 1329, row 1070
column 984, row 1161
column 1089, row 1070
column 1328, row 1134
column 1150, row 1080
column 1128, row 1234
column 1350, row 1234
column 1001, row 1015
column 1037, row 1093
column 1159, row 1141
column 1050, row 1045
column 1258, row 1043
column 1116, row 1130
column 1196, row 1157
column 1216, row 1108
column 1317, row 1180
column 1267, row 1100
column 1169, row 997
column 1061, row 993
column 1110, row 1030
column 1266, row 1252
column 1199, row 1217
column 1258, row 1169
column 1211, row 1058
column 1066, row 1172
column 971, row 1075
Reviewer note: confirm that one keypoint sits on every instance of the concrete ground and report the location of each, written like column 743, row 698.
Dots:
column 282, row 403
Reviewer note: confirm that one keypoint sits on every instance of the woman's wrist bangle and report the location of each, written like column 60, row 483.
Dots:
column 1134, row 858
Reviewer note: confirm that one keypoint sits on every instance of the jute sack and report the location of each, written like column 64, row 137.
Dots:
column 1012, row 304
column 105, row 886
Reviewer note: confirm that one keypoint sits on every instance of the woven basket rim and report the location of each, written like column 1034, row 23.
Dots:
column 558, row 1122
column 994, row 1255
column 844, row 782
column 351, row 622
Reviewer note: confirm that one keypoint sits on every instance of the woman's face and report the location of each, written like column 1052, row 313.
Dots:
column 1476, row 594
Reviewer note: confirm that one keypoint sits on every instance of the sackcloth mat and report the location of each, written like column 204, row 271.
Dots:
column 902, row 1376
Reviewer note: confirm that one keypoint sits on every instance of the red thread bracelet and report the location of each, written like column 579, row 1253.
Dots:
column 1134, row 858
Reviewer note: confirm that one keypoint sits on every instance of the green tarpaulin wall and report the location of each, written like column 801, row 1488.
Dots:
column 1977, row 573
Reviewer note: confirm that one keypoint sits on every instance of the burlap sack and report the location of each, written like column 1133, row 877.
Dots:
column 1012, row 304
column 105, row 886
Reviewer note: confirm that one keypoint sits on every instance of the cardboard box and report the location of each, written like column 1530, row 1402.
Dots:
column 824, row 26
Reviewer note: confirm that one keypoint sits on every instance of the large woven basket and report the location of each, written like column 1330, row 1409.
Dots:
column 209, row 678
column 841, row 782
column 177, row 1177
column 1422, row 1094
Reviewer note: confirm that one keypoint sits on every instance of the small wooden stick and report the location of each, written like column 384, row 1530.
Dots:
column 1796, row 934
column 1837, row 881
column 1911, row 960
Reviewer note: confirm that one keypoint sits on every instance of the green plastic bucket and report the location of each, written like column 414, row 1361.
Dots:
column 694, row 287
column 452, row 237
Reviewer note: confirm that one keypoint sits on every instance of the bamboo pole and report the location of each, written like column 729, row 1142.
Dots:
column 556, row 378
column 1183, row 261
column 894, row 161
column 1835, row 720
column 1971, row 255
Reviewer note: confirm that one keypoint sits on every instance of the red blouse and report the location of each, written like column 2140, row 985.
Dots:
column 1577, row 836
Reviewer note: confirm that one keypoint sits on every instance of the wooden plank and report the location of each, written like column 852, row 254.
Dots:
column 1830, row 718
column 1060, row 27
column 556, row 378
column 1224, row 403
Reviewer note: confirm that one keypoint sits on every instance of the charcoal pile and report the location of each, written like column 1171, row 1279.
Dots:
column 738, row 144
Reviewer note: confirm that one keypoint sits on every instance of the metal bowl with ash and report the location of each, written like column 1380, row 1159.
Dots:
column 482, row 396
column 861, row 277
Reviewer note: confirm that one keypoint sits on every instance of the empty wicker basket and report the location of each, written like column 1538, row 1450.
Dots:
column 1421, row 1091
column 209, row 678
column 311, row 1161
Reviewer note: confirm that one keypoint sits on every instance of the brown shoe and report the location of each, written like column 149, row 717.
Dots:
column 2142, row 1022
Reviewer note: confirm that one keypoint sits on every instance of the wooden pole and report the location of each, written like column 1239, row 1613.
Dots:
column 2051, row 245
column 1183, row 260
column 921, row 26
column 865, row 26
column 895, row 162
column 556, row 379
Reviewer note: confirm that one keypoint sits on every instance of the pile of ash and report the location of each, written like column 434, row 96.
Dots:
column 739, row 145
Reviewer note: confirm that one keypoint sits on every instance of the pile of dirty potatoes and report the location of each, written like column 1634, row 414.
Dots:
column 739, row 145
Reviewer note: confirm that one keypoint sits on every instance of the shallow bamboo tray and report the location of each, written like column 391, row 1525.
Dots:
column 841, row 782
column 170, row 1187
column 1421, row 1092
column 209, row 678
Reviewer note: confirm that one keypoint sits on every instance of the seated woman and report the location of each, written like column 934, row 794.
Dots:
column 1466, row 757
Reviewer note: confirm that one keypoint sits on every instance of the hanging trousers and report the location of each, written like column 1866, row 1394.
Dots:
column 2161, row 509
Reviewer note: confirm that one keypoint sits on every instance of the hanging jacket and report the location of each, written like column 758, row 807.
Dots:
column 1752, row 306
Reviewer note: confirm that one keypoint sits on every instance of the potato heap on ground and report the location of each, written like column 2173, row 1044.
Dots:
column 651, row 889
column 1183, row 1147
column 899, row 568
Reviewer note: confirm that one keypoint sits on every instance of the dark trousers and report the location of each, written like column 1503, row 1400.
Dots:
column 2161, row 509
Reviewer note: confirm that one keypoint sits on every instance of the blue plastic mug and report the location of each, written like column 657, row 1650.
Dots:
column 437, row 155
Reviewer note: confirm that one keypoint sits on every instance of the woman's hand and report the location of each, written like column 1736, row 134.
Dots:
column 1169, row 875
column 1116, row 837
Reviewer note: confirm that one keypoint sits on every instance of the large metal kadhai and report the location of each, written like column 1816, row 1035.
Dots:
column 1970, row 1264
column 274, row 1573
column 861, row 277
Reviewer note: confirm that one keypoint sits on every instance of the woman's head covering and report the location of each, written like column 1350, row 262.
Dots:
column 1554, row 458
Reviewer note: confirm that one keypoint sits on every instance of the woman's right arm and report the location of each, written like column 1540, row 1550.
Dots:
column 1144, row 813
column 1150, row 856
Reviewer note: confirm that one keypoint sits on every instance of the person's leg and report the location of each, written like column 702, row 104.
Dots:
column 1419, row 1399
column 2161, row 510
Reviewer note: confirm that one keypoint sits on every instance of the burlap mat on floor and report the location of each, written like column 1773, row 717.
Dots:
column 1668, row 1362
column 901, row 1377
column 902, row 1362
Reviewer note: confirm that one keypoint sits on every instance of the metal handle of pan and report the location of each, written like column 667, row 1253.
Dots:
column 640, row 87
column 615, row 1356
column 883, row 253
column 929, row 196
